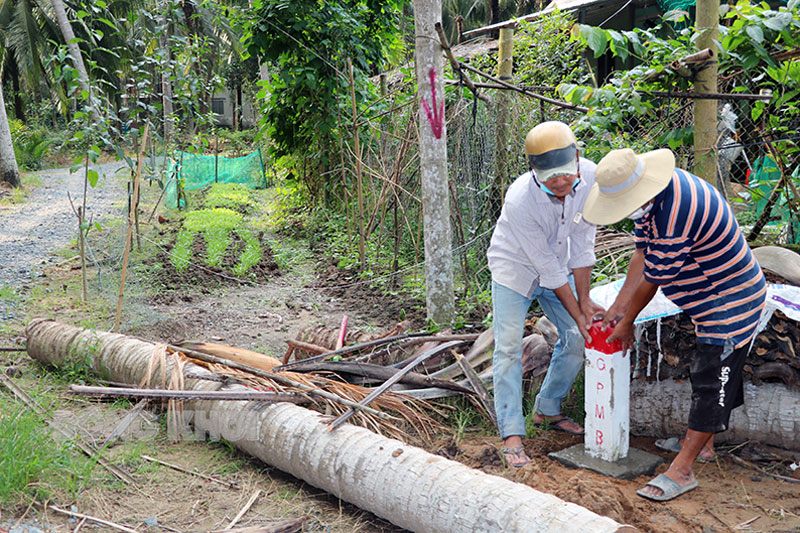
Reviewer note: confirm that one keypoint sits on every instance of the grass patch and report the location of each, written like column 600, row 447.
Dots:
column 232, row 196
column 32, row 463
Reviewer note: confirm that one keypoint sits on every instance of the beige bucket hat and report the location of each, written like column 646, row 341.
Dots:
column 625, row 181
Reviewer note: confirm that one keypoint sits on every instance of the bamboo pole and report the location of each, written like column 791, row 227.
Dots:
column 127, row 252
column 501, row 178
column 705, row 111
column 221, row 395
column 359, row 183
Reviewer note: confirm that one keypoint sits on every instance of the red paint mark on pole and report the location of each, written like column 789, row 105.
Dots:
column 599, row 437
column 435, row 117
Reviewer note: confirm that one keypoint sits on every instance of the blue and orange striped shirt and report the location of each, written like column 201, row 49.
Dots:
column 695, row 250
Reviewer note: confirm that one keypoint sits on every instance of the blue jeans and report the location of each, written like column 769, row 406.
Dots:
column 510, row 309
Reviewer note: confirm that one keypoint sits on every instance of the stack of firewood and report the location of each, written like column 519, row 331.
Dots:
column 775, row 356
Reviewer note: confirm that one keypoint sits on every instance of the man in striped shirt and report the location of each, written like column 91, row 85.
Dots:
column 688, row 243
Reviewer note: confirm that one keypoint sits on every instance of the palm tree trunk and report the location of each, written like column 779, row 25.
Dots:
column 401, row 483
column 13, row 73
column 9, row 172
column 74, row 52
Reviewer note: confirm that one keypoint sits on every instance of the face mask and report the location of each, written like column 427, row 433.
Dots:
column 642, row 211
column 548, row 191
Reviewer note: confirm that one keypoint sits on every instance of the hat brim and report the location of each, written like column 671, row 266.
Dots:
column 607, row 209
column 569, row 168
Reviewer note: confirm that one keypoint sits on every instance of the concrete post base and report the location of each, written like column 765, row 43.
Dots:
column 637, row 462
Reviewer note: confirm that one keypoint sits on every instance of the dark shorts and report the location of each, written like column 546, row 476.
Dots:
column 716, row 376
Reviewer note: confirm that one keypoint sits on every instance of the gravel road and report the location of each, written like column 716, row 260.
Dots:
column 31, row 231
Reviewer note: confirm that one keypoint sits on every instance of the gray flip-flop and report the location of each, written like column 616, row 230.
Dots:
column 673, row 444
column 668, row 486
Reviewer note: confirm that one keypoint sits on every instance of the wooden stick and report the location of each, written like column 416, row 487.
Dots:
column 342, row 333
column 307, row 346
column 454, row 62
column 31, row 403
column 230, row 484
column 280, row 379
column 13, row 349
column 478, row 387
column 124, row 424
column 244, row 509
column 129, row 235
column 523, row 91
column 415, row 338
column 287, row 355
column 748, row 464
column 394, row 379
column 381, row 373
column 255, row 395
column 92, row 518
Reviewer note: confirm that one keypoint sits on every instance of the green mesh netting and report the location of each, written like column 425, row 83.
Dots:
column 194, row 171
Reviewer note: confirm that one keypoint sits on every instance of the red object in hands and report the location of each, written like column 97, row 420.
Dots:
column 600, row 340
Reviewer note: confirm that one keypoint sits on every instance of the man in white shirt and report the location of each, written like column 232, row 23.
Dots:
column 542, row 249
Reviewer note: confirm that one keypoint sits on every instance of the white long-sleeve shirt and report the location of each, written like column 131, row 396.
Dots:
column 539, row 240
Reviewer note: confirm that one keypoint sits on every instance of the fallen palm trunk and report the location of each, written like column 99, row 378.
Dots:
column 770, row 414
column 398, row 482
column 232, row 353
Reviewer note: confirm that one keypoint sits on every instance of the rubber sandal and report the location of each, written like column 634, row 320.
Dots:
column 669, row 487
column 673, row 444
column 516, row 457
column 556, row 424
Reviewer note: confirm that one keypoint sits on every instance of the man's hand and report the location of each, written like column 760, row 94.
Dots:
column 614, row 314
column 624, row 332
column 592, row 311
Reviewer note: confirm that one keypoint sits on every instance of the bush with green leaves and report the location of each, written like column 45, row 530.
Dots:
column 754, row 54
column 30, row 144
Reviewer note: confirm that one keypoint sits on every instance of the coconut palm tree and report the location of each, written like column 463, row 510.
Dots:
column 9, row 172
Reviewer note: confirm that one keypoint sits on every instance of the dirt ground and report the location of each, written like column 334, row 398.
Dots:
column 261, row 317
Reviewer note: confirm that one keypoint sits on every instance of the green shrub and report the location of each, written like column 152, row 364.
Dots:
column 30, row 145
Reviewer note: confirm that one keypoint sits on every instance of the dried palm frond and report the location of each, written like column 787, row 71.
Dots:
column 410, row 410
column 175, row 421
column 613, row 250
column 157, row 361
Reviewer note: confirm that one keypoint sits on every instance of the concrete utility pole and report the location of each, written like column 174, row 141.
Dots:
column 705, row 110
column 433, row 164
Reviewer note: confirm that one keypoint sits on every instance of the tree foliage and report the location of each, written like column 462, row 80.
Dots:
column 755, row 41
column 306, row 44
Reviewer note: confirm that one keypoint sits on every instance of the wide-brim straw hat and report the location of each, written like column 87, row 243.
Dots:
column 625, row 181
